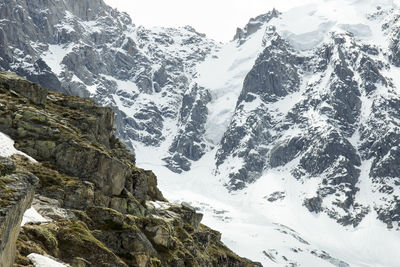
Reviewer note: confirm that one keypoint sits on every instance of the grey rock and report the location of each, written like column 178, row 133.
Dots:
column 189, row 144
column 395, row 49
column 254, row 25
column 313, row 204
column 7, row 166
column 325, row 256
column 274, row 73
column 275, row 196
column 16, row 194
column 51, row 208
column 32, row 91
column 285, row 151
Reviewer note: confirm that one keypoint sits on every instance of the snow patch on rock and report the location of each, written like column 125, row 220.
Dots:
column 7, row 148
column 32, row 216
column 44, row 261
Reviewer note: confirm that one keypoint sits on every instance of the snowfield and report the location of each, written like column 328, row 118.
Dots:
column 275, row 233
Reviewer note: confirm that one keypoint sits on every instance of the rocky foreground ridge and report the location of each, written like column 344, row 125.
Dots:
column 102, row 209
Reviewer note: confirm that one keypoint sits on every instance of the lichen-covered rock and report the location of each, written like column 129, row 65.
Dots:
column 74, row 135
column 68, row 241
column 7, row 166
column 32, row 91
column 105, row 211
column 136, row 241
column 109, row 174
column 16, row 194
column 51, row 208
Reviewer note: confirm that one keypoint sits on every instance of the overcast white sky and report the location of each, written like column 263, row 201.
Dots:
column 218, row 19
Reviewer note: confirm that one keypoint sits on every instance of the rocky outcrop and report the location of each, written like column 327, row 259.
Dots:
column 76, row 136
column 104, row 210
column 105, row 237
column 274, row 75
column 32, row 91
column 17, row 189
column 254, row 25
column 189, row 144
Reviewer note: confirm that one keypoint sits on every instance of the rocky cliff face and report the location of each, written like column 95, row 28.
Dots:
column 104, row 210
column 319, row 114
column 16, row 195
column 89, row 49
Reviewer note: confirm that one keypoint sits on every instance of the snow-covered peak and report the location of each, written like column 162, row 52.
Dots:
column 309, row 24
column 306, row 26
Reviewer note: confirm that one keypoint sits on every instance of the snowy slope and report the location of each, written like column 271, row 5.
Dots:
column 223, row 74
column 259, row 229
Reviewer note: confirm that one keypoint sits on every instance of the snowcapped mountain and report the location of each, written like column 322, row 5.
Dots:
column 86, row 48
column 287, row 137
